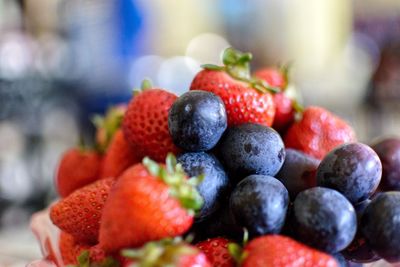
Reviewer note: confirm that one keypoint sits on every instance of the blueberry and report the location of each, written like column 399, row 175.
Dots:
column 251, row 149
column 197, row 120
column 323, row 218
column 220, row 223
column 359, row 250
column 259, row 203
column 380, row 225
column 215, row 185
column 352, row 169
column 298, row 172
column 388, row 151
column 343, row 262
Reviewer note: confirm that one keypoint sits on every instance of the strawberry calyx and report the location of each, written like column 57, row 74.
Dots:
column 145, row 85
column 237, row 65
column 236, row 250
column 165, row 252
column 84, row 261
column 175, row 177
column 107, row 126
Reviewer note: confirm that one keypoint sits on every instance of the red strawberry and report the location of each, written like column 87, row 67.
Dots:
column 73, row 252
column 245, row 99
column 70, row 249
column 145, row 123
column 285, row 111
column 77, row 168
column 119, row 156
column 79, row 213
column 148, row 202
column 282, row 251
column 273, row 76
column 216, row 250
column 318, row 132
column 168, row 253
column 107, row 125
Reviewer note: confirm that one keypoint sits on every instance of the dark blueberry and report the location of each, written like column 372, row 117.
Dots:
column 360, row 208
column 352, row 169
column 380, row 225
column 388, row 151
column 215, row 185
column 220, row 223
column 251, row 149
column 197, row 120
column 298, row 172
column 259, row 203
column 323, row 218
column 359, row 250
column 343, row 262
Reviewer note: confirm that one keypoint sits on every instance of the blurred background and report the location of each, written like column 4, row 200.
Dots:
column 63, row 61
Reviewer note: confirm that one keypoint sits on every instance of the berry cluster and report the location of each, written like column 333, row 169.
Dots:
column 250, row 162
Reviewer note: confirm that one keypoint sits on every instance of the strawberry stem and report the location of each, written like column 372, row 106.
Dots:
column 237, row 65
column 84, row 261
column 159, row 253
column 174, row 176
column 109, row 124
column 146, row 84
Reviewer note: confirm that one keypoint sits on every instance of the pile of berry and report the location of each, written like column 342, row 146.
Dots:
column 257, row 181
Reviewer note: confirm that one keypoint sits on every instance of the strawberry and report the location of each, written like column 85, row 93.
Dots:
column 75, row 253
column 145, row 123
column 245, row 99
column 285, row 106
column 282, row 251
column 107, row 125
column 318, row 132
column 77, row 168
column 79, row 213
column 148, row 202
column 216, row 250
column 119, row 154
column 70, row 249
column 167, row 253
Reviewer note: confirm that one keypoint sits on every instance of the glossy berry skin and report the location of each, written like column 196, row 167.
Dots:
column 192, row 260
column 243, row 104
column 318, row 132
column 341, row 260
column 259, row 203
column 119, row 156
column 145, row 123
column 388, row 151
column 221, row 223
column 215, row 184
column 197, row 121
column 359, row 250
column 285, row 113
column 282, row 251
column 140, row 209
column 353, row 169
column 79, row 213
column 77, row 168
column 216, row 250
column 323, row 218
column 298, row 172
column 380, row 225
column 251, row 149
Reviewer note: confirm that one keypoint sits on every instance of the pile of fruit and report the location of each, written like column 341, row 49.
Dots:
column 231, row 173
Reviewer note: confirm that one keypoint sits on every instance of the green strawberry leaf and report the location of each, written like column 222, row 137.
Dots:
column 180, row 187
